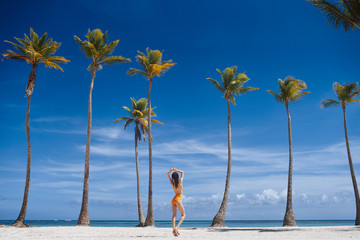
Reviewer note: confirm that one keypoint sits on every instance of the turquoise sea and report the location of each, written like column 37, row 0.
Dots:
column 187, row 224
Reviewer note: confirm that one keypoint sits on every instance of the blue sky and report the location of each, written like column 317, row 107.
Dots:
column 266, row 39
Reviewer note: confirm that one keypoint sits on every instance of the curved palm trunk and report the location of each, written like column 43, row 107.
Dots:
column 84, row 219
column 219, row 219
column 150, row 217
column 141, row 214
column 289, row 218
column 21, row 218
column 353, row 178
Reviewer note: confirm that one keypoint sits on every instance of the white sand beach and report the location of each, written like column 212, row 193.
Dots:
column 107, row 233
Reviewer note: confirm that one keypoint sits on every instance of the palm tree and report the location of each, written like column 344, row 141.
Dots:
column 137, row 114
column 290, row 91
column 33, row 50
column 343, row 14
column 98, row 48
column 232, row 84
column 151, row 66
column 346, row 94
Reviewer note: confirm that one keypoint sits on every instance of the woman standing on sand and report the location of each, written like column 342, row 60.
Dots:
column 177, row 200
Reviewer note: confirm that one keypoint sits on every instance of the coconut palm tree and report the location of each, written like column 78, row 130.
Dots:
column 346, row 94
column 151, row 65
column 34, row 50
column 98, row 48
column 137, row 116
column 231, row 84
column 343, row 14
column 290, row 91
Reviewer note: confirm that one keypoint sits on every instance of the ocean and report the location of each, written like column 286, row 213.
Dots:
column 187, row 224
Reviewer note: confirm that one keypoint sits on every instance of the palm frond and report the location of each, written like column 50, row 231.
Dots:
column 58, row 59
column 84, row 47
column 50, row 64
column 97, row 48
column 336, row 14
column 290, row 90
column 138, row 113
column 151, row 64
column 146, row 112
column 115, row 60
column 94, row 66
column 156, row 121
column 93, row 50
column 128, row 122
column 134, row 71
column 232, row 100
column 154, row 56
column 34, row 37
column 107, row 50
column 50, row 49
column 216, row 84
column 22, row 42
column 329, row 103
column 18, row 47
column 42, row 40
column 232, row 83
column 277, row 96
column 242, row 77
column 244, row 90
column 299, row 96
column 127, row 109
column 122, row 119
column 12, row 55
column 34, row 50
column 347, row 92
column 143, row 130
column 141, row 104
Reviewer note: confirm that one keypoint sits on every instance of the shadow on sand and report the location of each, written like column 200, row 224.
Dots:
column 252, row 230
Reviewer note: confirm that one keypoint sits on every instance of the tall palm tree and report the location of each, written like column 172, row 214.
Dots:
column 98, row 48
column 231, row 84
column 151, row 65
column 346, row 94
column 290, row 91
column 343, row 14
column 137, row 116
column 34, row 51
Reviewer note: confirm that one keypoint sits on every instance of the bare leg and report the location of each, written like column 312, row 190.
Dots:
column 182, row 211
column 173, row 217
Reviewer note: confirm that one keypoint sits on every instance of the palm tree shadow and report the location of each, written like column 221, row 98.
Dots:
column 253, row 230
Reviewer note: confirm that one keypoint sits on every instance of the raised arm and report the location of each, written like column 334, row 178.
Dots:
column 168, row 174
column 182, row 174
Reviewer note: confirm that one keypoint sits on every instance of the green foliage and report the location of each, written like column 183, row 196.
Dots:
column 35, row 50
column 343, row 14
column 231, row 83
column 138, row 114
column 151, row 64
column 290, row 90
column 345, row 94
column 98, row 48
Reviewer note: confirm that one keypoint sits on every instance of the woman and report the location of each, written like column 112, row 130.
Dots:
column 177, row 200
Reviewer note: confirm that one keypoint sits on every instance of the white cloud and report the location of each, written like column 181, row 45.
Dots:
column 54, row 119
column 109, row 151
column 111, row 133
column 240, row 196
column 59, row 184
column 59, row 167
column 324, row 199
column 267, row 197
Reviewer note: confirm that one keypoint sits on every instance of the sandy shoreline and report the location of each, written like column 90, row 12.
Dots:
column 107, row 233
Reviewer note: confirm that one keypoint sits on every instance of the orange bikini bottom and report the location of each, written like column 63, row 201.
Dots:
column 176, row 199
